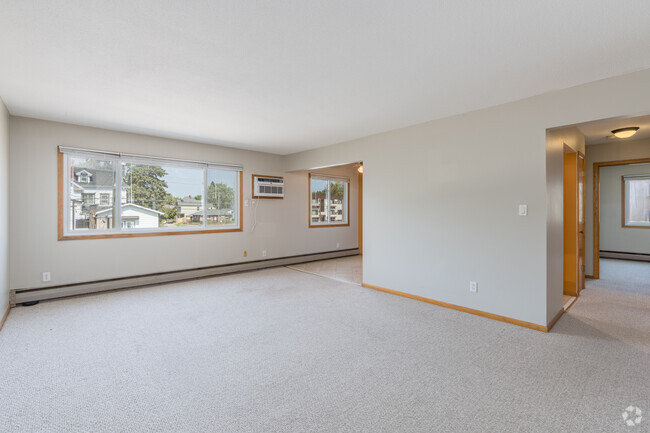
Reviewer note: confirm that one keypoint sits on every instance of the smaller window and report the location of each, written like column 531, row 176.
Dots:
column 105, row 199
column 88, row 199
column 329, row 200
column 130, row 222
column 636, row 201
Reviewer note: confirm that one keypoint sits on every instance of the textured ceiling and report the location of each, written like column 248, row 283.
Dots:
column 285, row 76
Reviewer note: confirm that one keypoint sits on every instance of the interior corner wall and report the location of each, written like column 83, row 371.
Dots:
column 4, row 206
column 282, row 225
column 556, row 139
column 453, row 187
column 620, row 150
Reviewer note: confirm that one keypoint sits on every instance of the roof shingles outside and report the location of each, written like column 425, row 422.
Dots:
column 188, row 201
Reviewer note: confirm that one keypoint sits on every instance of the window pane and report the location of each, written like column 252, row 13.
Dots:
column 318, row 200
column 221, row 198
column 638, row 200
column 161, row 196
column 90, row 179
column 338, row 201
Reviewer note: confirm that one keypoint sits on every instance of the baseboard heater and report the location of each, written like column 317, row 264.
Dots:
column 18, row 296
column 625, row 256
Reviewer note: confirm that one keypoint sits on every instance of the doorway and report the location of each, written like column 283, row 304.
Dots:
column 574, row 223
column 597, row 206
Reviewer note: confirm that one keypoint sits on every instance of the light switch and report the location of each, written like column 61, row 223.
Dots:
column 523, row 210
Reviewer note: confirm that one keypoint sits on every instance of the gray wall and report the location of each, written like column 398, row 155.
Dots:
column 282, row 225
column 4, row 205
column 614, row 237
column 617, row 151
column 455, row 185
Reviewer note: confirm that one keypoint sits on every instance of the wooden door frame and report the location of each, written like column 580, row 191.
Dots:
column 582, row 164
column 360, row 212
column 596, row 234
column 571, row 180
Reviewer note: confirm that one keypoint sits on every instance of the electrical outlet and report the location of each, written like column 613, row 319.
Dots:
column 245, row 253
column 263, row 253
column 338, row 245
column 46, row 277
column 473, row 286
column 246, row 202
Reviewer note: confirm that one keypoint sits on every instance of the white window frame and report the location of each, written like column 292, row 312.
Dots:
column 346, row 201
column 84, row 195
column 116, row 199
column 101, row 198
column 626, row 202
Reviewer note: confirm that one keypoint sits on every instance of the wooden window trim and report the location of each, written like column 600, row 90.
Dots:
column 63, row 237
column 624, row 206
column 318, row 226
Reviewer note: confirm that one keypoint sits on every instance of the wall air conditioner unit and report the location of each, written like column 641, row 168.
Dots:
column 268, row 186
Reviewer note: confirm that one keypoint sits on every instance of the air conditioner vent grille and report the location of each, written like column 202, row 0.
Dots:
column 268, row 187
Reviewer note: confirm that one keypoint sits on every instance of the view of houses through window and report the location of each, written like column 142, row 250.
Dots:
column 328, row 200
column 89, row 180
column 637, row 200
column 220, row 197
column 162, row 196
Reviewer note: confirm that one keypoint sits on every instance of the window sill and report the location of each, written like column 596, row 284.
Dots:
column 144, row 234
column 636, row 226
column 318, row 226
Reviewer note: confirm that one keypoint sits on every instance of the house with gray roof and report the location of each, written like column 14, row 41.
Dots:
column 92, row 198
column 187, row 206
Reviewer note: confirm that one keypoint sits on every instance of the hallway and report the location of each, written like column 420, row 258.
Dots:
column 617, row 304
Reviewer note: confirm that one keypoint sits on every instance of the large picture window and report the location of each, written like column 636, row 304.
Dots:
column 329, row 200
column 115, row 195
column 636, row 201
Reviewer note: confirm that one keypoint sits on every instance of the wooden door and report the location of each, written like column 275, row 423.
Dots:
column 571, row 280
column 581, row 222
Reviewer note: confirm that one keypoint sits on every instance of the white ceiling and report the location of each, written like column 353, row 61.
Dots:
column 284, row 76
column 600, row 131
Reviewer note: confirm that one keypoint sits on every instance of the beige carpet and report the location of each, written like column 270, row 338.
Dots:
column 284, row 351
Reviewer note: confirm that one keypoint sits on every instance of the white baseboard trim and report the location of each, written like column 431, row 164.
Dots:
column 18, row 296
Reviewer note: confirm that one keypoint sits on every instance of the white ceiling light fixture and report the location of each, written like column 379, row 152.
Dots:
column 626, row 132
